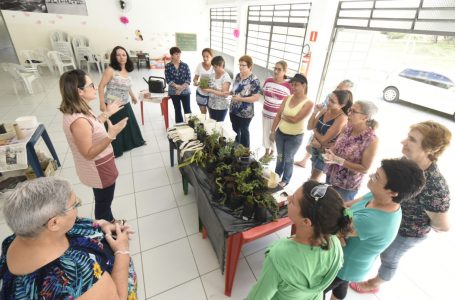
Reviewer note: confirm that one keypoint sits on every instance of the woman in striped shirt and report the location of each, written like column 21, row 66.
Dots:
column 275, row 90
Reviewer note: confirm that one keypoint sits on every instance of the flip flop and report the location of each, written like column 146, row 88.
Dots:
column 356, row 287
column 300, row 164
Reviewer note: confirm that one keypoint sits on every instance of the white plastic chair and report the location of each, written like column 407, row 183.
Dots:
column 35, row 58
column 61, row 61
column 85, row 55
column 24, row 77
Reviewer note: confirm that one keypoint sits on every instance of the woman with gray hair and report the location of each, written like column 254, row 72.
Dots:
column 353, row 153
column 53, row 254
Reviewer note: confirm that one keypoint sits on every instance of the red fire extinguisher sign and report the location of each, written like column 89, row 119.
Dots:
column 313, row 36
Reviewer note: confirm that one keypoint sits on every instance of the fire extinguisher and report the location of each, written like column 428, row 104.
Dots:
column 306, row 58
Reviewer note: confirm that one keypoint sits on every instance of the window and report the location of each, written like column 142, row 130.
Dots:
column 431, row 78
column 276, row 32
column 223, row 21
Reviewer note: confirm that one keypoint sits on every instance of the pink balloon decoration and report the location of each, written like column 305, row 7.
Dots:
column 124, row 20
column 236, row 33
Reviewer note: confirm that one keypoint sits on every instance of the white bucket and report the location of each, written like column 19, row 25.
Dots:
column 27, row 122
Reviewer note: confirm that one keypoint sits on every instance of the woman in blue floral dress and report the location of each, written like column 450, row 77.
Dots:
column 53, row 254
column 245, row 90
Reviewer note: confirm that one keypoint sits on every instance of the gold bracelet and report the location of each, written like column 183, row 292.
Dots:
column 121, row 252
column 105, row 115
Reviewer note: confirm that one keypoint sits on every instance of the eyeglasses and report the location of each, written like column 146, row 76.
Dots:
column 317, row 193
column 351, row 111
column 91, row 85
column 76, row 204
column 333, row 100
column 374, row 176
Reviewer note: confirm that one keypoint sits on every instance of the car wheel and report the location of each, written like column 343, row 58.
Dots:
column 391, row 94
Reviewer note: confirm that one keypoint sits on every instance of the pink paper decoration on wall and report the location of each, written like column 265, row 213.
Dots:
column 236, row 33
column 26, row 14
column 124, row 20
column 59, row 17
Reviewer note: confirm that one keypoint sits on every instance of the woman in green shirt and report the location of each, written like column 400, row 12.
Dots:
column 302, row 266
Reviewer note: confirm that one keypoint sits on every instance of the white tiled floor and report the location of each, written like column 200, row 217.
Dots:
column 172, row 260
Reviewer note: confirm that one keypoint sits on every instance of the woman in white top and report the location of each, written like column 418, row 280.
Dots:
column 218, row 90
column 203, row 70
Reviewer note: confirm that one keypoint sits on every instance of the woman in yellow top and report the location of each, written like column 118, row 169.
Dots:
column 290, row 123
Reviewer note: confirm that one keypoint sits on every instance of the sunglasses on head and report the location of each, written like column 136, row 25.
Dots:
column 317, row 193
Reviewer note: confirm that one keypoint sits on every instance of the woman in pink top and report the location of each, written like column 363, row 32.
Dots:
column 354, row 150
column 88, row 140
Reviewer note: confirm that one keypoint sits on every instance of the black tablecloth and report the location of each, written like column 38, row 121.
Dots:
column 217, row 219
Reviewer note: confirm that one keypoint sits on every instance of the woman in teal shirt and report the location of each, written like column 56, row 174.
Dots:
column 377, row 217
column 302, row 266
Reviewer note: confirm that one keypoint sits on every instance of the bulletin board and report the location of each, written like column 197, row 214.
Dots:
column 186, row 41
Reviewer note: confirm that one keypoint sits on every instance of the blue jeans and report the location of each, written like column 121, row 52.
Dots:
column 241, row 127
column 218, row 114
column 286, row 147
column 392, row 255
column 185, row 100
column 317, row 160
column 347, row 195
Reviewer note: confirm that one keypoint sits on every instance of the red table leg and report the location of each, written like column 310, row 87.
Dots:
column 204, row 232
column 234, row 246
column 165, row 110
column 236, row 241
column 142, row 112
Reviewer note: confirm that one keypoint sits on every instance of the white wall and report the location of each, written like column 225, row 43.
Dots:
column 158, row 21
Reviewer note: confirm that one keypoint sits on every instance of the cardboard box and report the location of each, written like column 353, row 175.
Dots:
column 48, row 167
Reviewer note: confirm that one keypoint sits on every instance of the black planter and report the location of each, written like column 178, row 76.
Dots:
column 243, row 163
column 222, row 141
column 234, row 202
column 210, row 168
column 260, row 213
column 248, row 210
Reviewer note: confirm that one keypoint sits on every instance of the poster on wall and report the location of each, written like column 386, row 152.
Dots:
column 64, row 7
column 186, row 41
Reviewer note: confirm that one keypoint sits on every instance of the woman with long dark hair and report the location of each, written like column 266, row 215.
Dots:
column 327, row 124
column 117, row 83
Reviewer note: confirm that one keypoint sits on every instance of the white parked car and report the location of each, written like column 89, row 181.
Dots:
column 424, row 88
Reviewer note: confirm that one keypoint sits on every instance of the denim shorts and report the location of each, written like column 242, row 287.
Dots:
column 317, row 160
column 201, row 99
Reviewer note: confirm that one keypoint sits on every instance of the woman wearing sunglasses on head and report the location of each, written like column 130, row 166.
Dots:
column 53, row 254
column 376, row 219
column 89, row 142
column 354, row 150
column 302, row 266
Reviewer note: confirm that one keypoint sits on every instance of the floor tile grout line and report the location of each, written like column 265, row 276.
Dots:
column 180, row 284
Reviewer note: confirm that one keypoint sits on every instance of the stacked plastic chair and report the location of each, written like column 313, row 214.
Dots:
column 84, row 54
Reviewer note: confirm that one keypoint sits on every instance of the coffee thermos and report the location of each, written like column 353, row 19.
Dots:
column 19, row 134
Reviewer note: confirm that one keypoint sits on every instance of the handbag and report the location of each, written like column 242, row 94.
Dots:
column 157, row 85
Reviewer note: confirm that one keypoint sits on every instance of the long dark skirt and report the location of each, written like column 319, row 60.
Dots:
column 130, row 137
